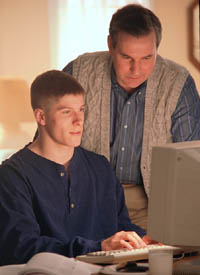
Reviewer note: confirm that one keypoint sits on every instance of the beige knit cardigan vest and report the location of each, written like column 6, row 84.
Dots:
column 93, row 71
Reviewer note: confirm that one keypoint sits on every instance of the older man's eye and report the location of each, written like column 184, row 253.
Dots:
column 148, row 57
column 66, row 112
column 125, row 56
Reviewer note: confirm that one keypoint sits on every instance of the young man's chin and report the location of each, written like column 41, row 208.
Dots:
column 71, row 144
column 76, row 144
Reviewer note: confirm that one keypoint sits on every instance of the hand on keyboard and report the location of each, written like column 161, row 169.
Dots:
column 148, row 240
column 123, row 240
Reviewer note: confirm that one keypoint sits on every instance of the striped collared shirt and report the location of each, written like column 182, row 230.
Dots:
column 126, row 131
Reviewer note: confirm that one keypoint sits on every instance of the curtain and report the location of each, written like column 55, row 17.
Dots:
column 78, row 26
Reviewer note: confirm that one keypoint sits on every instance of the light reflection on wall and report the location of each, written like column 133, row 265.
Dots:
column 17, row 125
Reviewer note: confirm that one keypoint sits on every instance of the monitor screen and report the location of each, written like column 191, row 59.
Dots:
column 174, row 201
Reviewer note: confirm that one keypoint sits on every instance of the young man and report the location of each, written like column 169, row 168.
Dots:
column 135, row 99
column 56, row 196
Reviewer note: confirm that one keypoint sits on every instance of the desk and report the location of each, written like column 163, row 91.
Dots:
column 185, row 266
column 181, row 267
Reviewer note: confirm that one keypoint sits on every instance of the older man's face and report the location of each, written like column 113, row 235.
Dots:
column 133, row 58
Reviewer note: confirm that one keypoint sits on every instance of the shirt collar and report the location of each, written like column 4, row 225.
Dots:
column 45, row 163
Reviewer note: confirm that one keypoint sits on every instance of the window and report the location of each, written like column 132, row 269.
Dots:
column 78, row 26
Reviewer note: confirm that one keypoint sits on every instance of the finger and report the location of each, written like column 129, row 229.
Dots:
column 125, row 245
column 131, row 237
column 135, row 240
column 148, row 240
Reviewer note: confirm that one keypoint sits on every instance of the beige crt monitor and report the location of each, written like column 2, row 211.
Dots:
column 174, row 201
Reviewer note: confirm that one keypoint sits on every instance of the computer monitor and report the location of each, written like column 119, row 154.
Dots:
column 174, row 200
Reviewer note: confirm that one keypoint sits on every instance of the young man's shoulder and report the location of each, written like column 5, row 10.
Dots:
column 13, row 170
column 92, row 155
column 15, row 161
column 97, row 165
column 94, row 158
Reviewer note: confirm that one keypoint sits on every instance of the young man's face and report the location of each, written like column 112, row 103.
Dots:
column 133, row 58
column 64, row 120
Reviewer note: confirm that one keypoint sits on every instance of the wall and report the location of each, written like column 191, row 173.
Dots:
column 24, row 53
column 24, row 32
column 176, row 40
column 25, row 48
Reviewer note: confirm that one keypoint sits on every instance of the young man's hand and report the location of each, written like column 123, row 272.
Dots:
column 148, row 240
column 122, row 240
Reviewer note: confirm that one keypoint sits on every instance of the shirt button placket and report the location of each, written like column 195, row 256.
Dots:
column 62, row 174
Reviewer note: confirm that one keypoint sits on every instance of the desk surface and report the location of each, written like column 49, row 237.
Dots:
column 188, row 265
column 185, row 266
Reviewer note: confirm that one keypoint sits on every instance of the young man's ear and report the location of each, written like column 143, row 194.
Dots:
column 40, row 116
column 109, row 44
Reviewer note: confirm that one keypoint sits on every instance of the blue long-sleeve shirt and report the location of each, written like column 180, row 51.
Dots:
column 43, row 209
column 127, row 122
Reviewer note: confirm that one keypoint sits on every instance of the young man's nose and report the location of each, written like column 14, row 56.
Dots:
column 78, row 118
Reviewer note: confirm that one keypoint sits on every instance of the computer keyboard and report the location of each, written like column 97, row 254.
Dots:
column 117, row 256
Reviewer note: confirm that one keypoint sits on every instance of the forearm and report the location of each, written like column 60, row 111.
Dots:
column 19, row 247
column 28, row 229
